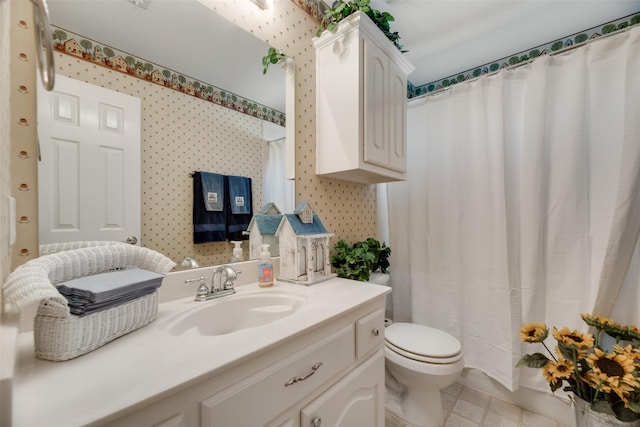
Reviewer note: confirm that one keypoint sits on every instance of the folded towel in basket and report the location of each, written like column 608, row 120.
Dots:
column 100, row 291
column 83, row 307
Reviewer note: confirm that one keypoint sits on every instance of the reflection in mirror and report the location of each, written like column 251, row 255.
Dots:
column 193, row 117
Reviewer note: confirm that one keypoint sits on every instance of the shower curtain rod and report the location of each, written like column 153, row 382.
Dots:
column 512, row 67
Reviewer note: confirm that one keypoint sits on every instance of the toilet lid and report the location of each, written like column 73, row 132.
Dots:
column 423, row 343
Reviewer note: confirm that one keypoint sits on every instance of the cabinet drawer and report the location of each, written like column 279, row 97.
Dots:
column 369, row 332
column 260, row 398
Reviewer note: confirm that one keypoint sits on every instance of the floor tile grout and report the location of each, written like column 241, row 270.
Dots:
column 466, row 407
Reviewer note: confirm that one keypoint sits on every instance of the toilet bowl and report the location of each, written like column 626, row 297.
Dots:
column 419, row 361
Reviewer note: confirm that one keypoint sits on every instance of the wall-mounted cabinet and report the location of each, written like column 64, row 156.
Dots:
column 361, row 102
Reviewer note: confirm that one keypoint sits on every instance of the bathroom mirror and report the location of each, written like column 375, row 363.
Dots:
column 189, row 38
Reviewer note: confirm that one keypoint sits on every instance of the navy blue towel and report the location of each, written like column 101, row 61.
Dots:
column 208, row 226
column 239, row 208
column 240, row 194
column 213, row 191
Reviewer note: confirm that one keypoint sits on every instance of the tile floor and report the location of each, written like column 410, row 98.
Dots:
column 466, row 407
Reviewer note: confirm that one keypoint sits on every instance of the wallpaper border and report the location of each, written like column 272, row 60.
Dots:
column 576, row 39
column 93, row 51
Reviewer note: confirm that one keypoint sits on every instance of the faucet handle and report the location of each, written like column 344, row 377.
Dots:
column 230, row 275
column 200, row 279
column 203, row 291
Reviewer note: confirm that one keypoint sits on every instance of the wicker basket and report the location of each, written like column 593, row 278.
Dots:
column 60, row 335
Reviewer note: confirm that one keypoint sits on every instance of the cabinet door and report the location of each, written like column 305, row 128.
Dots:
column 356, row 400
column 376, row 135
column 397, row 118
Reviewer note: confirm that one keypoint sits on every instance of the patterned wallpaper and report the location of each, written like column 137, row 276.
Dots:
column 23, row 134
column 346, row 209
column 180, row 133
column 5, row 114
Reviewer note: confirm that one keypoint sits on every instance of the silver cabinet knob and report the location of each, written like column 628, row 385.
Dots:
column 375, row 332
column 316, row 422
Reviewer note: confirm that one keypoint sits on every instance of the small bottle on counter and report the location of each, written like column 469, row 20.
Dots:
column 237, row 251
column 265, row 268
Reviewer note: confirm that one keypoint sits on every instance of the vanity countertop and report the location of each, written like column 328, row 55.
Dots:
column 135, row 369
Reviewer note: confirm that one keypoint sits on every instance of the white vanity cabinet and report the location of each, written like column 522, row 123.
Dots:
column 330, row 376
column 361, row 101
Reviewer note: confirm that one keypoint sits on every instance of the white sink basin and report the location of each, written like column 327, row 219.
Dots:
column 235, row 312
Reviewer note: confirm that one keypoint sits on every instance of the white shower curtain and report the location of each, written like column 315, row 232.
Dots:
column 276, row 187
column 522, row 201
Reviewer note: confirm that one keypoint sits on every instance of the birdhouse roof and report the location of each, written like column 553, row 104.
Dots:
column 300, row 228
column 267, row 224
column 270, row 209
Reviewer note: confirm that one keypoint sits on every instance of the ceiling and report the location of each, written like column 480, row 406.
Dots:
column 443, row 37
column 446, row 37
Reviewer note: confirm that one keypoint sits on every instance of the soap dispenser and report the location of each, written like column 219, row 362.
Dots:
column 237, row 251
column 265, row 268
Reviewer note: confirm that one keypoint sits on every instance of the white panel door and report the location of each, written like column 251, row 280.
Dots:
column 89, row 173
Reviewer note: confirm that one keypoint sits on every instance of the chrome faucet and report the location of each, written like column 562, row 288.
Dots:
column 225, row 284
column 190, row 262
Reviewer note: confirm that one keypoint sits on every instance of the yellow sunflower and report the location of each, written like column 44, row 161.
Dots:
column 612, row 372
column 534, row 332
column 631, row 353
column 595, row 320
column 558, row 371
column 576, row 338
column 612, row 328
column 634, row 332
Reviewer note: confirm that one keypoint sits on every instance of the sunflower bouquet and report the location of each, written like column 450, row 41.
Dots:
column 608, row 379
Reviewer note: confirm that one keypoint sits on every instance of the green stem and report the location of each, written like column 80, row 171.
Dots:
column 595, row 397
column 545, row 346
column 596, row 337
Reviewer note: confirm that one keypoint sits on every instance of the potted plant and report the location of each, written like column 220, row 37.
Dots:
column 605, row 382
column 357, row 262
column 342, row 9
column 273, row 56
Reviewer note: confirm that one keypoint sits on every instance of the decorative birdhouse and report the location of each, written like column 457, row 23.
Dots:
column 304, row 247
column 262, row 230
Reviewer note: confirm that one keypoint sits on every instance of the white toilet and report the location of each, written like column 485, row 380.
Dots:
column 420, row 361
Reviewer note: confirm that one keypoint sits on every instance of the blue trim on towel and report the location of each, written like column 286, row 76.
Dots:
column 208, row 227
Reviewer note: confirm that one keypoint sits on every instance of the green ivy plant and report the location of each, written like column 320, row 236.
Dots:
column 341, row 9
column 273, row 56
column 358, row 261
